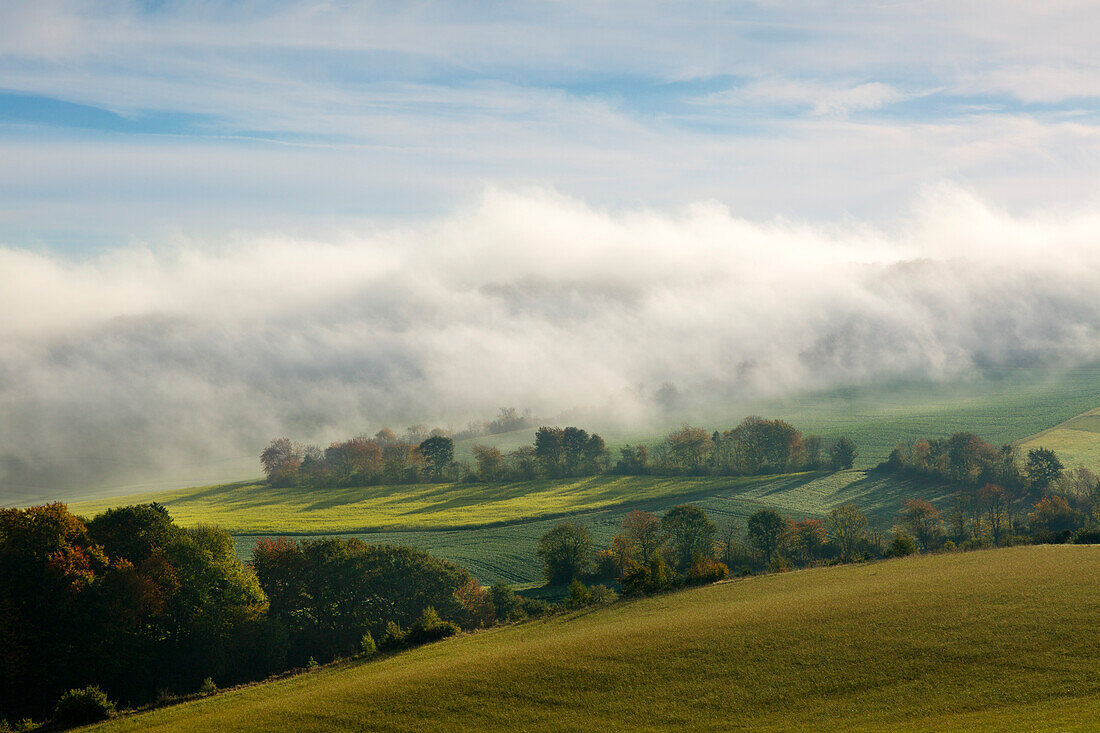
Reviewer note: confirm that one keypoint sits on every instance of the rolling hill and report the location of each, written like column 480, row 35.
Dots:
column 999, row 639
column 1076, row 441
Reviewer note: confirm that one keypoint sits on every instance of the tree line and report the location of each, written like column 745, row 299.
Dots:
column 684, row 547
column 755, row 446
column 130, row 607
column 1001, row 493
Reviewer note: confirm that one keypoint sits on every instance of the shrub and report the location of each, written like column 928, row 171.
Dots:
column 394, row 636
column 82, row 706
column 18, row 726
column 974, row 543
column 1087, row 536
column 948, row 546
column 311, row 664
column 579, row 595
column 367, row 646
column 778, row 564
column 601, row 594
column 208, row 687
column 650, row 578
column 705, row 570
column 430, row 627
column 505, row 601
column 607, row 565
column 533, row 606
column 903, row 545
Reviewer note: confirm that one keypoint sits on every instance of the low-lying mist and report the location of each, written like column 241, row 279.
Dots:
column 148, row 359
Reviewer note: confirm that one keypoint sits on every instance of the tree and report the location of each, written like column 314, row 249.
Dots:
column 690, row 533
column 814, row 445
column 329, row 592
column 523, row 463
column 594, row 457
column 969, row 457
column 922, row 520
column 643, row 531
column 490, row 463
column 847, row 527
column 765, row 531
column 634, row 460
column 1043, row 468
column 566, row 552
column 573, row 443
column 439, row 452
column 994, row 500
column 843, row 453
column 689, row 449
column 808, row 537
column 1053, row 514
column 550, row 450
column 280, row 461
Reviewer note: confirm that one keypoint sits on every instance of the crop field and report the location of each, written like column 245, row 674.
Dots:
column 993, row 640
column 1076, row 441
column 507, row 552
column 1000, row 405
column 492, row 529
column 452, row 517
column 256, row 508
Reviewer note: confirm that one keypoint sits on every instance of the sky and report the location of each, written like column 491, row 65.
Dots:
column 221, row 222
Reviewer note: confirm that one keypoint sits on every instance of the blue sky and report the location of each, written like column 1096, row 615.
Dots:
column 123, row 122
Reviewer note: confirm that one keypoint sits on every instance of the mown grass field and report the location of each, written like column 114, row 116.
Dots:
column 993, row 640
column 1076, row 441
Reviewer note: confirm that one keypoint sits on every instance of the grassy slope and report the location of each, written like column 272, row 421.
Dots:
column 1076, row 441
column 254, row 508
column 1002, row 639
column 508, row 552
column 1000, row 405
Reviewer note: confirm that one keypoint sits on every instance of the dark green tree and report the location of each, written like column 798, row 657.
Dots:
column 550, row 451
column 765, row 531
column 690, row 533
column 439, row 453
column 1043, row 469
column 566, row 552
column 843, row 453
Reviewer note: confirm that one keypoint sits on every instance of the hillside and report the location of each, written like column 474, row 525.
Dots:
column 1001, row 405
column 256, row 508
column 493, row 529
column 1001, row 639
column 1076, row 441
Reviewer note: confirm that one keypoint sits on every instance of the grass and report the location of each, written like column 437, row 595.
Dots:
column 493, row 529
column 507, row 552
column 256, row 508
column 1076, row 441
column 1000, row 639
column 1001, row 405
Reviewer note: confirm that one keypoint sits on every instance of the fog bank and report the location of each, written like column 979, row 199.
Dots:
column 190, row 352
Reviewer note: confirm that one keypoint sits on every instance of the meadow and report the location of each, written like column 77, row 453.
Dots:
column 996, row 639
column 1076, row 441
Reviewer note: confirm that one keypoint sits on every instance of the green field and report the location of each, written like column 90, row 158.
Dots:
column 1076, row 441
column 507, row 552
column 256, row 508
column 993, row 640
column 492, row 529
column 1001, row 405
